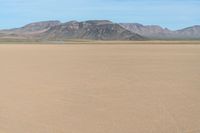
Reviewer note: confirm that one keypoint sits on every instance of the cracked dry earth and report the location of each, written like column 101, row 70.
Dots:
column 100, row 88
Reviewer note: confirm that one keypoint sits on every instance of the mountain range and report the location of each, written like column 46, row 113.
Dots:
column 157, row 32
column 96, row 30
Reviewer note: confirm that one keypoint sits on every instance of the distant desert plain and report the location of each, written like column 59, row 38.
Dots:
column 100, row 87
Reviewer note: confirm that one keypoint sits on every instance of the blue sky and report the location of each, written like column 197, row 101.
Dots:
column 174, row 14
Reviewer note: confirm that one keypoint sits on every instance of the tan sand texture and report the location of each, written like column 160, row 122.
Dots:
column 99, row 88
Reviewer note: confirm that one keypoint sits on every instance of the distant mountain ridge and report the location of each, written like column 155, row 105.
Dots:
column 29, row 31
column 150, row 31
column 190, row 32
column 157, row 32
column 96, row 30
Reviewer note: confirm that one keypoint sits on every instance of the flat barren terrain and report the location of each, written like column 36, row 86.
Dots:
column 100, row 88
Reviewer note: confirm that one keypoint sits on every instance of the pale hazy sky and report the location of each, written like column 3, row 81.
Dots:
column 173, row 14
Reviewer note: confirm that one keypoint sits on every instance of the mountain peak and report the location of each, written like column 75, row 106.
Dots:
column 92, row 29
column 98, row 22
column 51, row 22
column 36, row 27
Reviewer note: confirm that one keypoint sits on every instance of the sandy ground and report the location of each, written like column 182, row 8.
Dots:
column 100, row 89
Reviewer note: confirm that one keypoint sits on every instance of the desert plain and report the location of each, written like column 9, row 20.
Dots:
column 130, row 87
